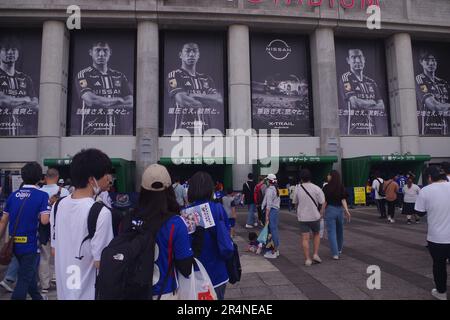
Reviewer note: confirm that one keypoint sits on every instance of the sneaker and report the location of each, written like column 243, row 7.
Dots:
column 248, row 226
column 335, row 257
column 270, row 255
column 417, row 221
column 277, row 253
column 317, row 259
column 439, row 296
column 255, row 224
column 45, row 290
column 6, row 286
column 308, row 263
column 44, row 297
column 409, row 221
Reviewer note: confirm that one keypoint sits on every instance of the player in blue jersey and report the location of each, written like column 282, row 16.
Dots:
column 18, row 98
column 196, row 99
column 363, row 105
column 433, row 98
column 106, row 97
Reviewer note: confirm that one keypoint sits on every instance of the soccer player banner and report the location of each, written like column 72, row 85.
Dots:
column 432, row 77
column 362, row 87
column 280, row 84
column 101, row 83
column 20, row 65
column 193, row 83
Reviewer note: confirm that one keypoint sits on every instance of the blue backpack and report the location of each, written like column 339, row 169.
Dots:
column 228, row 250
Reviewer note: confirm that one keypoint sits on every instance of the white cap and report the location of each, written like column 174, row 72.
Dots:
column 61, row 181
column 271, row 177
column 156, row 173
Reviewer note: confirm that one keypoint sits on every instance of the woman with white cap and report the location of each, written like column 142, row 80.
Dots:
column 271, row 205
column 159, row 210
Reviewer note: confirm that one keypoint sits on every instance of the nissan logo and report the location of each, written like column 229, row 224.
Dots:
column 278, row 49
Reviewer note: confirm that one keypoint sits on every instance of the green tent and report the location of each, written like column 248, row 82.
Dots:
column 219, row 168
column 356, row 171
column 290, row 166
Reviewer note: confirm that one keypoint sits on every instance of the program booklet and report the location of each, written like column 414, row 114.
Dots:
column 200, row 215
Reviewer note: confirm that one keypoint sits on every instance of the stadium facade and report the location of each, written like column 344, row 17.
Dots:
column 331, row 86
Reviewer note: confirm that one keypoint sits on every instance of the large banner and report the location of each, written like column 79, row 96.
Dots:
column 193, row 82
column 280, row 83
column 432, row 76
column 20, row 65
column 101, row 82
column 362, row 87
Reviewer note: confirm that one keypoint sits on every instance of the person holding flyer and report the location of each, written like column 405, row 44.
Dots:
column 211, row 240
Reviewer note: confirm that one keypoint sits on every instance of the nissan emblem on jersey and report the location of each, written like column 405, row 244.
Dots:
column 119, row 257
column 278, row 49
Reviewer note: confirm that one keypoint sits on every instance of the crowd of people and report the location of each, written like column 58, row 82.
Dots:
column 53, row 222
column 327, row 208
column 77, row 261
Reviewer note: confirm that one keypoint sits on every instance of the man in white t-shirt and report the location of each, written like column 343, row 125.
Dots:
column 307, row 198
column 103, row 196
column 76, row 262
column 54, row 193
column 377, row 184
column 434, row 201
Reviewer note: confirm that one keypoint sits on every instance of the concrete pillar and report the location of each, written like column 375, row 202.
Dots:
column 147, row 97
column 240, row 110
column 53, row 89
column 325, row 96
column 402, row 92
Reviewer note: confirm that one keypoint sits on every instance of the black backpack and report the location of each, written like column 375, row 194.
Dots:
column 234, row 266
column 381, row 189
column 126, row 265
column 116, row 215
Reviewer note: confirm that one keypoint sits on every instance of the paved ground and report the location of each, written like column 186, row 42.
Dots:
column 398, row 249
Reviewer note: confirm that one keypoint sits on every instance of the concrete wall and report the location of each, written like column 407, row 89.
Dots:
column 365, row 146
column 18, row 149
column 437, row 147
column 114, row 147
column 397, row 15
column 421, row 19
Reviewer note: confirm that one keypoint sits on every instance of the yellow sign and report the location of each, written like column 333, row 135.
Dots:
column 284, row 192
column 20, row 239
column 360, row 195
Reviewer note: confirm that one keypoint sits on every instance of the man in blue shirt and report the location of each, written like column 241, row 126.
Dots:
column 29, row 205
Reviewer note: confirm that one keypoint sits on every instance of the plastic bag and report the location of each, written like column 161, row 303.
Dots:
column 262, row 238
column 322, row 228
column 198, row 286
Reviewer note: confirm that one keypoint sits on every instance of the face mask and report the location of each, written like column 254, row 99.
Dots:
column 96, row 188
